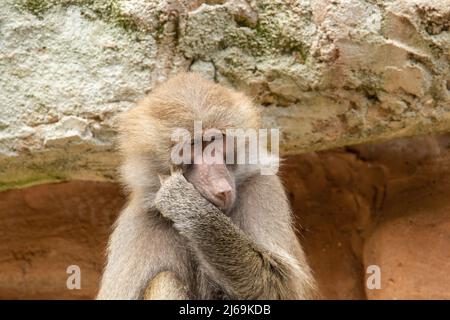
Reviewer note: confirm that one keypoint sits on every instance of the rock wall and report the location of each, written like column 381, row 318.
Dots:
column 384, row 204
column 327, row 73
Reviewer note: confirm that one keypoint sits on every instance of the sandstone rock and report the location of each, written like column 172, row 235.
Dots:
column 45, row 229
column 412, row 250
column 380, row 204
column 412, row 230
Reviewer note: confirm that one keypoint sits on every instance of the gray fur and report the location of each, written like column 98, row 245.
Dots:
column 253, row 254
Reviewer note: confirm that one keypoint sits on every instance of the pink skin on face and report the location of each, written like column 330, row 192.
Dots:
column 215, row 182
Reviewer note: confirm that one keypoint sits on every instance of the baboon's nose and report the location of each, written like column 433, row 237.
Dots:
column 222, row 193
column 224, row 197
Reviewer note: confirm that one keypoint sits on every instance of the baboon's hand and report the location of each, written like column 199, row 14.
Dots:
column 177, row 199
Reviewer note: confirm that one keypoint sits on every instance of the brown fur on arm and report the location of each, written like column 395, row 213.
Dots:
column 243, row 269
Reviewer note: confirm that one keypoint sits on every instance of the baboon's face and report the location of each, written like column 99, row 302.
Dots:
column 213, row 179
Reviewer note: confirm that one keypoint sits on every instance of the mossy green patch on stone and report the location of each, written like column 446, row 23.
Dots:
column 106, row 10
column 36, row 7
column 3, row 125
column 277, row 31
column 31, row 180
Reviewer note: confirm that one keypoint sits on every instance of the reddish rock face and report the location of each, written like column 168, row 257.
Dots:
column 331, row 195
column 411, row 242
column 383, row 204
column 413, row 252
column 44, row 229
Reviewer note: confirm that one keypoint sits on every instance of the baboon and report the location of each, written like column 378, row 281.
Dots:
column 199, row 231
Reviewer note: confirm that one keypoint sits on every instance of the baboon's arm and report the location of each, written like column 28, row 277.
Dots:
column 243, row 269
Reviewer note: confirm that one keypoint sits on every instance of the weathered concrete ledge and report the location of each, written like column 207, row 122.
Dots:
column 327, row 73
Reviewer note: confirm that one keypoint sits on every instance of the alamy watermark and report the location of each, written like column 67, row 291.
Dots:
column 74, row 279
column 374, row 279
column 232, row 146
